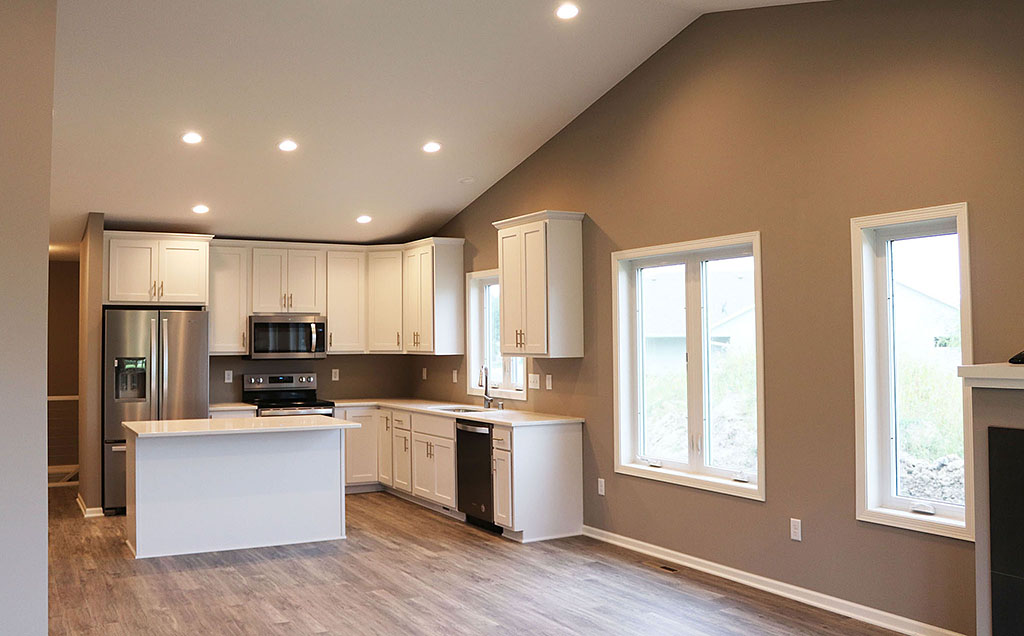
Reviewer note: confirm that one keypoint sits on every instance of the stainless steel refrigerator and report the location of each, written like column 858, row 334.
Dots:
column 156, row 367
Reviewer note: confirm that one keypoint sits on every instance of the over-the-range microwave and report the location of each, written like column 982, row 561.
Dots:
column 278, row 336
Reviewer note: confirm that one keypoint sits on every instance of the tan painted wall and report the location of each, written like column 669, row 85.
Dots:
column 27, row 32
column 788, row 120
column 90, row 352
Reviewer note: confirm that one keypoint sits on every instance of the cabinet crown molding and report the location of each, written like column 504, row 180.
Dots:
column 539, row 216
column 158, row 236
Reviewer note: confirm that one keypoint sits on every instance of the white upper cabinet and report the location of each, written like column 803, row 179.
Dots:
column 153, row 268
column 289, row 281
column 540, row 263
column 229, row 299
column 384, row 291
column 433, row 297
column 346, row 302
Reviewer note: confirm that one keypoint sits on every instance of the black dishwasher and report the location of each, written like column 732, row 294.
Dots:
column 473, row 473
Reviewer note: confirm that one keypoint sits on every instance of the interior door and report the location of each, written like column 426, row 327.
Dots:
column 385, row 301
column 185, row 365
column 423, row 472
column 385, row 438
column 510, row 287
column 361, row 447
column 426, row 304
column 442, row 453
column 133, row 270
column 502, row 478
column 411, row 300
column 269, row 280
column 306, row 282
column 402, row 442
column 535, row 288
column 229, row 299
column 183, row 272
column 346, row 301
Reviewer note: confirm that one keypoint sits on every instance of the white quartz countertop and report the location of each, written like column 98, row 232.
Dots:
column 232, row 406
column 235, row 425
column 499, row 417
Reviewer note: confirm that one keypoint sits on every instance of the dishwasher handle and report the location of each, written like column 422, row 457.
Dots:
column 470, row 428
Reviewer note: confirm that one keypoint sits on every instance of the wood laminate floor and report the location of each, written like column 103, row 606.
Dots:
column 402, row 570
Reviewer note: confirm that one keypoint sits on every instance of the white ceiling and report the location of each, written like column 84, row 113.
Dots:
column 361, row 85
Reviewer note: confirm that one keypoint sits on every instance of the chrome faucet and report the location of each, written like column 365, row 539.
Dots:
column 484, row 380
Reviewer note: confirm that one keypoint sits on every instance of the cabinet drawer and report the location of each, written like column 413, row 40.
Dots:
column 501, row 438
column 400, row 420
column 433, row 425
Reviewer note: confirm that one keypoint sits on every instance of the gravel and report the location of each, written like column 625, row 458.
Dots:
column 939, row 480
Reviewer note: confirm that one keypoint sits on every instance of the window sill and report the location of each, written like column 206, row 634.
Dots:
column 693, row 480
column 941, row 526
column 499, row 394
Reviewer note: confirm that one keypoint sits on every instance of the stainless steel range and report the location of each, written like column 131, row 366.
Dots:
column 284, row 394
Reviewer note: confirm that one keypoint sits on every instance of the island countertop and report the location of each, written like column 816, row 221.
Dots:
column 235, row 425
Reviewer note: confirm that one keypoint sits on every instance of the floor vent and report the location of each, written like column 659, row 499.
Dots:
column 660, row 566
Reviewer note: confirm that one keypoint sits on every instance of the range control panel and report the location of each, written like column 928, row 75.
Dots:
column 277, row 382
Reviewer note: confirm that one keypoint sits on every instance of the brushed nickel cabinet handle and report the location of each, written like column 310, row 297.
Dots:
column 284, row 300
column 398, row 339
column 161, row 289
column 291, row 300
column 330, row 339
column 243, row 340
column 406, row 440
column 153, row 295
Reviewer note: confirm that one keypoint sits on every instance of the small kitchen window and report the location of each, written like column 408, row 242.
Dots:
column 506, row 374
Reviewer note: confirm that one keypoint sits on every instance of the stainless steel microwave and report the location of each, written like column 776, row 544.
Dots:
column 278, row 336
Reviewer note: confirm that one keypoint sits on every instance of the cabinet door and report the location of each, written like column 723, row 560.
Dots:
column 442, row 453
column 307, row 282
column 184, row 272
column 535, row 288
column 385, row 301
column 402, row 468
column 411, row 300
column 346, row 301
column 133, row 271
column 425, row 338
column 423, row 473
column 510, row 286
column 269, row 280
column 361, row 447
column 229, row 299
column 502, row 480
column 385, row 439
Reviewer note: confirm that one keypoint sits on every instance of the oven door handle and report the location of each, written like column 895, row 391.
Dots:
column 309, row 411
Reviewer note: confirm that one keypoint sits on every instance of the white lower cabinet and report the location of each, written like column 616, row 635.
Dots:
column 501, row 475
column 360, row 446
column 402, row 465
column 385, row 442
column 433, row 468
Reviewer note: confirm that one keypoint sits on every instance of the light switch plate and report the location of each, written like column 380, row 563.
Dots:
column 335, row 376
column 795, row 530
column 600, row 486
column 534, row 380
column 547, row 380
column 455, row 376
column 424, row 373
column 229, row 376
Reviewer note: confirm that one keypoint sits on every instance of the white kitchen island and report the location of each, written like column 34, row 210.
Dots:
column 223, row 484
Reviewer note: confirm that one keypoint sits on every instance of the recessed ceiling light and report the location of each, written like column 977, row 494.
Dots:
column 287, row 145
column 467, row 180
column 567, row 11
column 200, row 209
column 431, row 146
column 191, row 137
column 364, row 219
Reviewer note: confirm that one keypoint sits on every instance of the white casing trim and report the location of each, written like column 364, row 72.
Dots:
column 862, row 613
column 88, row 513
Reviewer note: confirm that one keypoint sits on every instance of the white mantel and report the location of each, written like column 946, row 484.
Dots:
column 1000, row 375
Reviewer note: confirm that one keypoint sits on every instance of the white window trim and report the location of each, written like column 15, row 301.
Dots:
column 474, row 311
column 625, row 374
column 867, row 233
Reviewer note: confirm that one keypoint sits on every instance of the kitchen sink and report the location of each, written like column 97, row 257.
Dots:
column 461, row 409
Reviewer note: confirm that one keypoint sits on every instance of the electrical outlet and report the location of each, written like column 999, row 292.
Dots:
column 424, row 373
column 455, row 376
column 795, row 531
column 335, row 375
column 600, row 486
column 534, row 380
column 229, row 376
column 547, row 380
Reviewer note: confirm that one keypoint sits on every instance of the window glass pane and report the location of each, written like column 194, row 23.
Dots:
column 927, row 394
column 492, row 332
column 662, row 323
column 730, row 348
column 516, row 372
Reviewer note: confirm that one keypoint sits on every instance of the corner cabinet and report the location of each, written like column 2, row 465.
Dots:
column 289, row 281
column 433, row 297
column 384, row 300
column 346, row 301
column 229, row 298
column 540, row 274
column 155, row 268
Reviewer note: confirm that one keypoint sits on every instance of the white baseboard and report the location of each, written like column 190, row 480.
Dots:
column 809, row 597
column 88, row 513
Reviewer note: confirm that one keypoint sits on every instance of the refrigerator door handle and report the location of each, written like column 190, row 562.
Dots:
column 154, row 408
column 164, row 371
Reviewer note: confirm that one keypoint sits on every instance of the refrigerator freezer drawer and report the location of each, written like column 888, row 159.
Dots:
column 113, row 475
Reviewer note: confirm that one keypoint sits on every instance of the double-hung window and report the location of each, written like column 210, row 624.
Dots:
column 689, row 372
column 506, row 375
column 912, row 330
